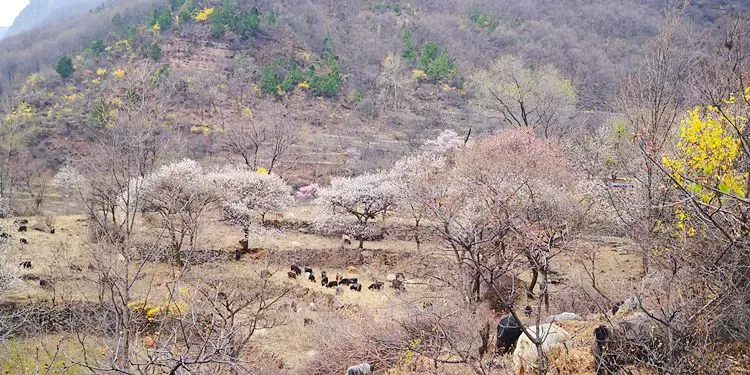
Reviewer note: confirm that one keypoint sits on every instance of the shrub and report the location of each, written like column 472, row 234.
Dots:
column 65, row 67
column 293, row 77
column 487, row 22
column 326, row 85
column 154, row 51
column 269, row 81
column 409, row 52
column 97, row 47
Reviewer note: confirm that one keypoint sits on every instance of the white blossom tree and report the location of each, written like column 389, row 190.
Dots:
column 363, row 197
column 247, row 196
column 178, row 194
column 414, row 177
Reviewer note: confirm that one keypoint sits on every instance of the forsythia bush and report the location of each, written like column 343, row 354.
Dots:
column 203, row 15
column 706, row 162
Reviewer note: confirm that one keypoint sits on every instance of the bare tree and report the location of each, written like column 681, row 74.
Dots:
column 262, row 142
column 523, row 96
column 392, row 81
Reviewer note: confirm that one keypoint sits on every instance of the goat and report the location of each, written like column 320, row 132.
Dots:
column 311, row 277
column 323, row 274
column 24, row 241
column 332, row 284
column 355, row 286
column 308, row 269
column 25, row 264
column 361, row 369
column 345, row 282
column 554, row 339
column 347, row 240
column 378, row 285
column 292, row 274
column 508, row 332
column 296, row 269
column 324, row 281
column 629, row 342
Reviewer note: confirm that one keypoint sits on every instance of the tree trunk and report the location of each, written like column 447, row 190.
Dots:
column 361, row 243
column 532, row 283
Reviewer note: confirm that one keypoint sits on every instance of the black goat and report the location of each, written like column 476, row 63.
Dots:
column 292, row 274
column 345, row 282
column 378, row 285
column 355, row 286
column 332, row 284
column 296, row 269
column 311, row 277
column 508, row 332
column 25, row 264
column 323, row 274
column 308, row 269
column 324, row 281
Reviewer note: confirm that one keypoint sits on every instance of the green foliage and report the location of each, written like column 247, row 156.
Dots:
column 435, row 62
column 153, row 51
column 101, row 114
column 326, row 85
column 488, row 22
column 161, row 16
column 97, row 47
column 269, row 80
column 175, row 5
column 242, row 22
column 185, row 12
column 409, row 52
column 271, row 17
column 130, row 33
column 64, row 67
column 293, row 76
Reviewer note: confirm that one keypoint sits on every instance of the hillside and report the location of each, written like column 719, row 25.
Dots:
column 42, row 12
column 294, row 187
column 3, row 31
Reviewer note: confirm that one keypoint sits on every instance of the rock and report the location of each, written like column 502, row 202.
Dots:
column 312, row 353
column 390, row 277
column 307, row 321
column 337, row 304
column 261, row 332
column 339, row 290
column 148, row 342
column 40, row 227
column 351, row 269
column 367, row 254
column 312, row 306
column 562, row 317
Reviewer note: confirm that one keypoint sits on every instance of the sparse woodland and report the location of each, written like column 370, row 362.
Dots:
column 306, row 187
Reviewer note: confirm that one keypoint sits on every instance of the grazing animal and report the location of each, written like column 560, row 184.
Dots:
column 525, row 355
column 400, row 276
column 508, row 332
column 307, row 321
column 23, row 228
column 332, row 284
column 323, row 274
column 296, row 269
column 353, row 280
column 324, row 281
column 308, row 269
column 347, row 240
column 21, row 221
column 4, row 235
column 339, row 290
column 628, row 343
column 398, row 285
column 45, row 283
column 378, row 285
column 355, row 286
column 25, row 264
column 24, row 241
column 338, row 276
column 616, row 307
column 345, row 282
column 292, row 274
column 361, row 369
column 528, row 310
column 311, row 277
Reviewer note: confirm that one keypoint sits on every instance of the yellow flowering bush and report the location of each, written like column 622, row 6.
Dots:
column 203, row 15
column 303, row 85
column 119, row 73
column 154, row 312
column 23, row 112
column 101, row 72
column 156, row 28
column 707, row 154
column 418, row 74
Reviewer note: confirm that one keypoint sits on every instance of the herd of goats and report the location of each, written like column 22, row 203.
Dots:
column 613, row 348
column 339, row 281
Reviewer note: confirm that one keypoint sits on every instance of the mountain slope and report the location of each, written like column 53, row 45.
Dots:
column 40, row 12
column 3, row 31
